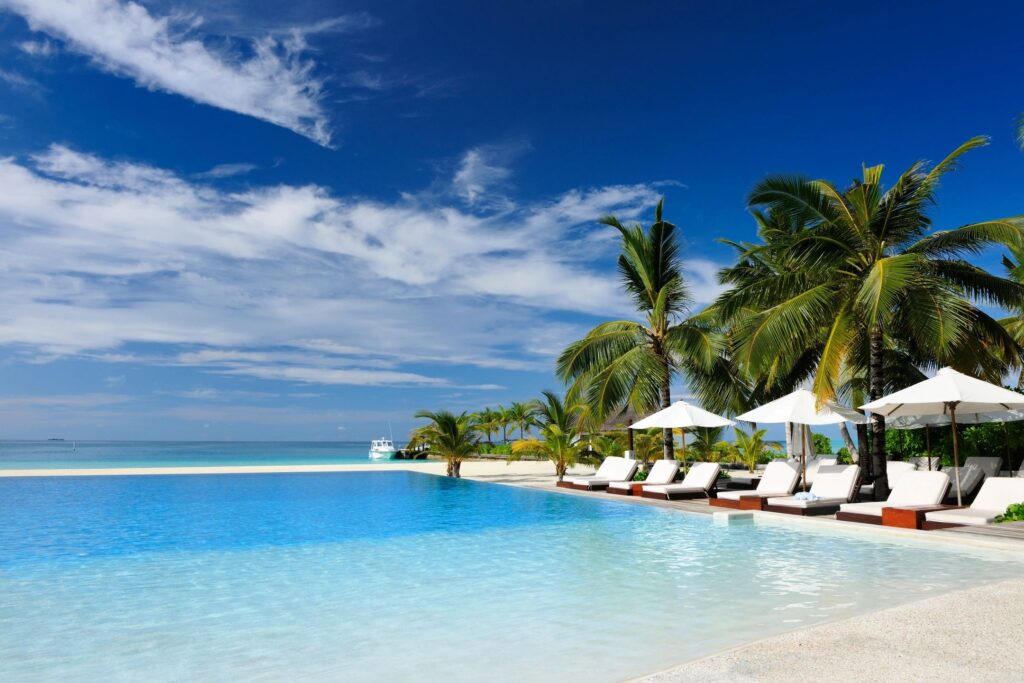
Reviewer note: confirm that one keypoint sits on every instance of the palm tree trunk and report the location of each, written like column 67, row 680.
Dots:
column 876, row 382
column 451, row 467
column 666, row 401
column 457, row 468
column 848, row 441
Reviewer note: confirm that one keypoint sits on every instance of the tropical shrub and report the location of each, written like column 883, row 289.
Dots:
column 453, row 437
column 558, row 438
column 822, row 444
column 1014, row 513
column 753, row 448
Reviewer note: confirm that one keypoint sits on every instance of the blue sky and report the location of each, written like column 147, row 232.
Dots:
column 302, row 222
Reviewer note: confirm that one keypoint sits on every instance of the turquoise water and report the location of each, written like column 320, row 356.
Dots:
column 384, row 576
column 108, row 454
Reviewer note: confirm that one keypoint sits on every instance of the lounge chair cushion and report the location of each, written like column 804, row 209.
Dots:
column 990, row 466
column 996, row 494
column 872, row 508
column 913, row 488
column 701, row 477
column 663, row 472
column 613, row 468
column 970, row 478
column 831, row 487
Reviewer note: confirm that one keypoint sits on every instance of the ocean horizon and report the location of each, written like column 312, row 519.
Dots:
column 101, row 454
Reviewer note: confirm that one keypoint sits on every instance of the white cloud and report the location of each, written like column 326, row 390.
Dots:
column 483, row 169
column 702, row 276
column 292, row 283
column 37, row 48
column 227, row 170
column 269, row 78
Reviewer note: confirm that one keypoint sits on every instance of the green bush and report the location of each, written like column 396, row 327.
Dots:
column 1014, row 513
column 641, row 475
column 822, row 444
column 496, row 448
column 843, row 456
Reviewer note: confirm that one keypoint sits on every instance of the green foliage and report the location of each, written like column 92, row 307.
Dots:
column 822, row 444
column 1014, row 513
column 843, row 456
column 495, row 448
column 631, row 363
column 753, row 448
column 448, row 435
column 559, row 434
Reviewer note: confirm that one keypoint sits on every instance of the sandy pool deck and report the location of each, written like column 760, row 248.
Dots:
column 970, row 635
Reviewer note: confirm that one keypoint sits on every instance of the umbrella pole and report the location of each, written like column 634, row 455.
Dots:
column 1006, row 448
column 803, row 454
column 928, row 444
column 682, row 433
column 956, row 452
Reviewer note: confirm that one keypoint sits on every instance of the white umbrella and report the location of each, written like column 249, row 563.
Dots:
column 681, row 415
column 801, row 407
column 949, row 394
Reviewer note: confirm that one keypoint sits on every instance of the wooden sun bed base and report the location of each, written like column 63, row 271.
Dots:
column 742, row 503
column 910, row 517
column 857, row 517
column 580, row 487
column 802, row 512
column 683, row 495
column 635, row 489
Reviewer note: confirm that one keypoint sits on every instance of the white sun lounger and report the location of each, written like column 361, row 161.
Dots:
column 996, row 494
column 913, row 489
column 990, row 466
column 662, row 472
column 894, row 469
column 613, row 468
column 698, row 483
column 971, row 477
column 831, row 489
column 779, row 479
column 922, row 463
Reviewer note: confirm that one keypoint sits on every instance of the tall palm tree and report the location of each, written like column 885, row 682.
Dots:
column 451, row 436
column 559, row 435
column 523, row 415
column 629, row 362
column 868, row 277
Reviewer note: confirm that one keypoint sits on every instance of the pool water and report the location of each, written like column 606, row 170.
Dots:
column 384, row 576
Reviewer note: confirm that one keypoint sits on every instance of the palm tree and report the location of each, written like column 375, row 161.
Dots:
column 486, row 421
column 752, row 447
column 559, row 434
column 867, row 278
column 707, row 444
column 451, row 436
column 626, row 362
column 523, row 415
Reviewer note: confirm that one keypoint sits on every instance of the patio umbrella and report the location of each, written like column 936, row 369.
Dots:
column 801, row 407
column 950, row 394
column 682, row 415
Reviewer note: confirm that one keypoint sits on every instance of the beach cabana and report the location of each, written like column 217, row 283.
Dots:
column 682, row 415
column 953, row 395
column 801, row 407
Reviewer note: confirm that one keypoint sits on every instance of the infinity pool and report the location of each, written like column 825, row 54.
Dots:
column 385, row 576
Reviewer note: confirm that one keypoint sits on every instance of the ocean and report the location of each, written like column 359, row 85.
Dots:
column 107, row 454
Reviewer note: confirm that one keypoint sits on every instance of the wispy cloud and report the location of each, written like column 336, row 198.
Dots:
column 484, row 169
column 227, row 170
column 295, row 283
column 269, row 78
column 37, row 48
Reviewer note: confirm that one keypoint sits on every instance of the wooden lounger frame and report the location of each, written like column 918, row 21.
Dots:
column 859, row 517
column 681, row 495
column 742, row 503
column 803, row 512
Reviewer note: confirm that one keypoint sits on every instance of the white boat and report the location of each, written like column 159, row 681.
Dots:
column 382, row 449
